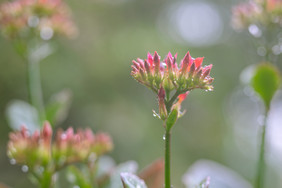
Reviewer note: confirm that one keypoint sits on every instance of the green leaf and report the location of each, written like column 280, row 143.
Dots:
column 58, row 107
column 132, row 181
column 21, row 113
column 171, row 119
column 77, row 178
column 265, row 82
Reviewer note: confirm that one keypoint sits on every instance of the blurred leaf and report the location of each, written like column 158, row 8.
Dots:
column 266, row 82
column 21, row 113
column 105, row 165
column 153, row 174
column 221, row 176
column 77, row 178
column 131, row 181
column 58, row 107
column 171, row 119
column 130, row 167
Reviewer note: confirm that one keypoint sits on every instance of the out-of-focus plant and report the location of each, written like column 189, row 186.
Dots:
column 43, row 157
column 263, row 19
column 30, row 25
column 171, row 83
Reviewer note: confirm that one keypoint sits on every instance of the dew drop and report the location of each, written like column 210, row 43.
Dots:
column 46, row 33
column 255, row 31
column 164, row 137
column 25, row 168
column 13, row 161
column 154, row 115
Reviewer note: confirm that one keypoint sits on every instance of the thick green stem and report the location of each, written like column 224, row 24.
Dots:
column 167, row 159
column 261, row 163
column 34, row 87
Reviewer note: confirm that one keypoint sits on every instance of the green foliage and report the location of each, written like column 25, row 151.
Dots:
column 132, row 181
column 266, row 82
column 78, row 178
column 171, row 119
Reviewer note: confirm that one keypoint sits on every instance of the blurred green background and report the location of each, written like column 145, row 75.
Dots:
column 96, row 68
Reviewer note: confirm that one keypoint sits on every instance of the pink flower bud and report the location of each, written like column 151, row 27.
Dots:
column 162, row 106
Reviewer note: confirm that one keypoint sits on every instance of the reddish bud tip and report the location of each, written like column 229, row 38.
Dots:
column 161, row 93
column 47, row 130
column 147, row 66
column 206, row 70
column 182, row 97
column 198, row 61
column 156, row 57
column 192, row 68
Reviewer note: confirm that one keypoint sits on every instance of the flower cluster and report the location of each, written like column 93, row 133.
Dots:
column 37, row 149
column 70, row 147
column 262, row 12
column 154, row 73
column 46, row 18
column 164, row 77
column 30, row 149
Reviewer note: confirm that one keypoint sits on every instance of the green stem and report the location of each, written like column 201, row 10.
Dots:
column 34, row 87
column 167, row 159
column 170, row 102
column 261, row 163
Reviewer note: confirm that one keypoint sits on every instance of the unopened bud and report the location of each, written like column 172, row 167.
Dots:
column 162, row 107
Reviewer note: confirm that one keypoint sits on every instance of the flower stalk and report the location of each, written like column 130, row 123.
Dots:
column 166, row 77
column 35, row 89
column 261, row 162
column 167, row 159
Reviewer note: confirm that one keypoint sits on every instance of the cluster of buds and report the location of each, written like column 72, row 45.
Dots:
column 46, row 18
column 37, row 149
column 31, row 150
column 70, row 147
column 262, row 12
column 165, row 77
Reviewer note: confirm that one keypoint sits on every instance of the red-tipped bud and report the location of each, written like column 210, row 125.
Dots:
column 69, row 133
column 157, row 62
column 150, row 59
column 137, row 65
column 162, row 107
column 147, row 67
column 181, row 98
column 206, row 71
column 198, row 62
column 169, row 63
column 192, row 69
column 199, row 73
column 47, row 131
column 187, row 60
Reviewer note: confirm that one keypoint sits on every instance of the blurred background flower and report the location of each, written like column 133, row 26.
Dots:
column 96, row 66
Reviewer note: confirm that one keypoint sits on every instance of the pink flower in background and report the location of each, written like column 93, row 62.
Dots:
column 37, row 149
column 25, row 18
